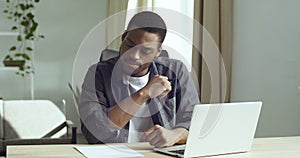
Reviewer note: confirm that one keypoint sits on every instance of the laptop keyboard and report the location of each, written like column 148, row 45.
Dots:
column 178, row 151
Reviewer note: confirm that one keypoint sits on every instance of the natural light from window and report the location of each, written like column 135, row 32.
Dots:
column 181, row 41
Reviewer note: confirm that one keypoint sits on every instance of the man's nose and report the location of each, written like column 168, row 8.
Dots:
column 135, row 53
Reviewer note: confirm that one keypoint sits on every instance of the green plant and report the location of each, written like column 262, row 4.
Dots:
column 21, row 13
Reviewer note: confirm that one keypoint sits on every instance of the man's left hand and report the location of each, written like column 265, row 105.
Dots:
column 159, row 136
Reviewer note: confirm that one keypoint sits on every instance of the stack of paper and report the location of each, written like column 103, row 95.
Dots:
column 107, row 151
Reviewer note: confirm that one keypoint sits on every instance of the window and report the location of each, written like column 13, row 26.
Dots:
column 178, row 15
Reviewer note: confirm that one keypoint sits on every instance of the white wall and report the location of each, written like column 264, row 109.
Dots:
column 266, row 62
column 64, row 23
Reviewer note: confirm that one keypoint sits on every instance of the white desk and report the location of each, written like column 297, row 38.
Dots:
column 282, row 147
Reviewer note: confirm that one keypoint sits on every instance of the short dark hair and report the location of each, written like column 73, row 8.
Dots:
column 150, row 22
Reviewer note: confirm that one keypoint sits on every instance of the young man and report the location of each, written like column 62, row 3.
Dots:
column 138, row 96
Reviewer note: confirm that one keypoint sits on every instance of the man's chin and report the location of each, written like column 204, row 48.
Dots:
column 135, row 72
column 129, row 71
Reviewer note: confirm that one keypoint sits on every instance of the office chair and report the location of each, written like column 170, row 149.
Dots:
column 107, row 54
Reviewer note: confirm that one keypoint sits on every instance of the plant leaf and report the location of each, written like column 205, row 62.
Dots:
column 25, row 56
column 18, row 54
column 29, row 49
column 24, row 23
column 34, row 26
column 7, row 57
column 30, row 15
column 28, row 36
column 21, row 68
column 22, row 6
column 16, row 14
column 13, row 48
column 19, row 38
column 14, row 28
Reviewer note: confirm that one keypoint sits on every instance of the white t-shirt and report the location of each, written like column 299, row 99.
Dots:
column 142, row 120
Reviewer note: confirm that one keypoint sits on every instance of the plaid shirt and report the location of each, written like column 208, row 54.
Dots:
column 104, row 87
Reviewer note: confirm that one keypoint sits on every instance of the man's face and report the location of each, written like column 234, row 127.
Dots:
column 138, row 50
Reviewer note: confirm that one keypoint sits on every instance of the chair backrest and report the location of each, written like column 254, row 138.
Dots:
column 27, row 119
column 76, row 94
column 1, row 120
column 109, row 53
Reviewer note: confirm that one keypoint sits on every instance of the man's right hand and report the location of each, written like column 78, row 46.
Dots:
column 157, row 86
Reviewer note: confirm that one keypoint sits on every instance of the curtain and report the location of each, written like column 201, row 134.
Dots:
column 135, row 6
column 115, row 24
column 216, row 18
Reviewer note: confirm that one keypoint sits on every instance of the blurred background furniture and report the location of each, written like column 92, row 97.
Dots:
column 34, row 122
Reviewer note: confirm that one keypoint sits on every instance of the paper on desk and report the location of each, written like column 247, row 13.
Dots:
column 107, row 151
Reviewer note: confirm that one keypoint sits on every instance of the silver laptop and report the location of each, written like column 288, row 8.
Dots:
column 219, row 129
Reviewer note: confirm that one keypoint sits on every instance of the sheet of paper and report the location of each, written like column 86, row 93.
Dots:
column 107, row 151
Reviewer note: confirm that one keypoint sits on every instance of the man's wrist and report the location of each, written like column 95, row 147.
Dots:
column 141, row 96
column 182, row 135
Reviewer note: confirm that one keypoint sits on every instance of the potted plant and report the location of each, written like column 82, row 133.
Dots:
column 21, row 12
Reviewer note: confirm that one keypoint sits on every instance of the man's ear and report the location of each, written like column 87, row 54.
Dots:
column 159, row 51
column 124, row 35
